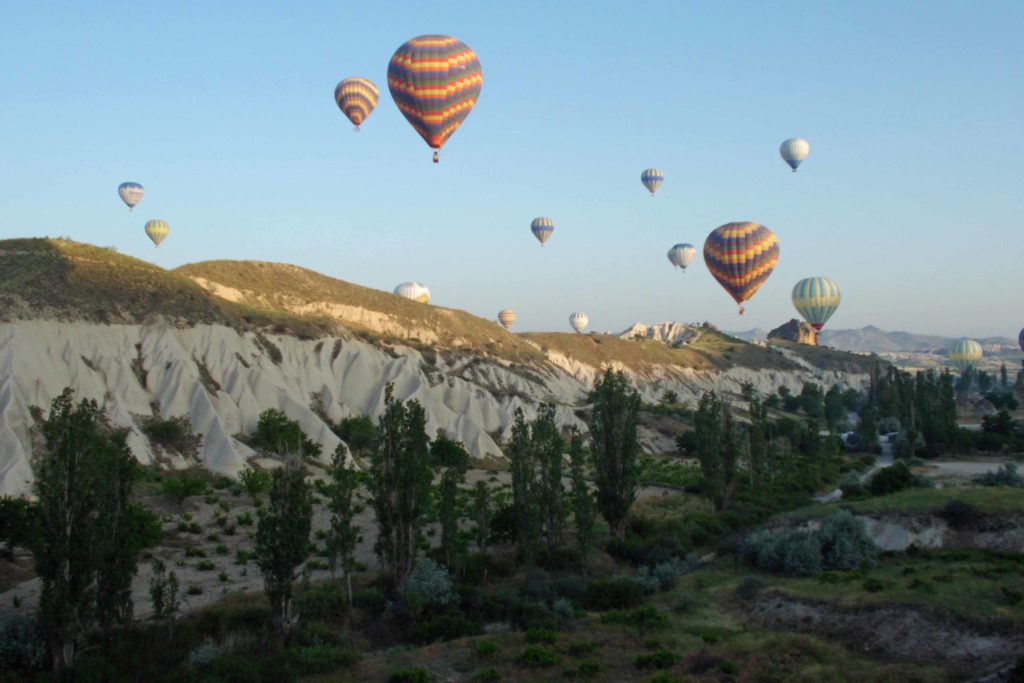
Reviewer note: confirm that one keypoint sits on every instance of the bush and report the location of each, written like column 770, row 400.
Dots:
column 662, row 659
column 444, row 627
column 588, row 668
column 873, row 585
column 537, row 657
column 322, row 659
column 256, row 482
column 841, row 542
column 564, row 609
column 323, row 602
column 174, row 433
column 184, row 485
column 417, row 675
column 21, row 646
column 844, row 542
column 372, row 600
column 488, row 675
column 749, row 588
column 959, row 514
column 541, row 635
column 429, row 585
column 607, row 594
column 277, row 434
column 486, row 648
column 204, row 655
column 890, row 480
column 1005, row 476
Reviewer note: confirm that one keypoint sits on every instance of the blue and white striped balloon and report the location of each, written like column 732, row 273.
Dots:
column 131, row 193
column 542, row 228
column 652, row 178
column 682, row 255
column 816, row 299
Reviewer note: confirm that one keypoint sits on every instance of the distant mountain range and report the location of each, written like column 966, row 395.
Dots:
column 872, row 339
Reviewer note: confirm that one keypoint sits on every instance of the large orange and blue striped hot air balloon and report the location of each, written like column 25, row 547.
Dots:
column 435, row 81
column 816, row 299
column 741, row 256
column 356, row 98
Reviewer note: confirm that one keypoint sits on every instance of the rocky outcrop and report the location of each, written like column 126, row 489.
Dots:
column 796, row 331
column 668, row 332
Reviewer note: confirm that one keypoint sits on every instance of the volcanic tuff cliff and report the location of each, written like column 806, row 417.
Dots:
column 220, row 342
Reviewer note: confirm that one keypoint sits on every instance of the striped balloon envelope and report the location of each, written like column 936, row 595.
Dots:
column 542, row 228
column 435, row 82
column 652, row 178
column 1020, row 340
column 965, row 354
column 157, row 230
column 579, row 322
column 356, row 98
column 507, row 318
column 682, row 255
column 816, row 299
column 741, row 256
column 130, row 193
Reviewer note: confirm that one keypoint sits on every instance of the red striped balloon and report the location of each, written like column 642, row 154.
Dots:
column 435, row 82
column 741, row 256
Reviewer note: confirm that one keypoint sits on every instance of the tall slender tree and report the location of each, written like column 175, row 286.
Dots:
column 614, row 447
column 524, row 488
column 584, row 512
column 452, row 460
column 549, row 450
column 282, row 540
column 400, row 485
column 482, row 515
column 718, row 449
column 344, row 532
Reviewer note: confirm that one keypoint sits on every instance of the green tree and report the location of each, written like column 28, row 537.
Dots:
column 450, row 457
column 549, row 451
column 344, row 532
column 482, row 514
column 359, row 433
column 181, row 486
column 759, row 436
column 163, row 594
column 984, row 381
column 812, row 402
column 400, row 483
column 528, row 518
column 614, row 448
column 89, row 533
column 718, row 449
column 1003, row 377
column 867, row 427
column 282, row 540
column 584, row 512
column 276, row 433
column 256, row 481
column 835, row 411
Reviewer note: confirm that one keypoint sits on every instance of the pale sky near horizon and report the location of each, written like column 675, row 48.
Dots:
column 911, row 199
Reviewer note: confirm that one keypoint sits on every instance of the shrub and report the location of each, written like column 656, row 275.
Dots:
column 323, row 602
column 749, row 588
column 1005, row 476
column 588, row 668
column 608, row 594
column 256, row 482
column 417, row 675
column 647, row 581
column 959, row 514
column 429, row 585
column 322, row 659
column 205, row 566
column 541, row 635
column 662, row 659
column 183, row 485
column 277, row 434
column 443, row 628
column 873, row 585
column 21, row 646
column 488, row 675
column 204, row 655
column 563, row 609
column 578, row 649
column 370, row 599
column 844, row 542
column 537, row 657
column 840, row 543
column 486, row 648
column 173, row 433
column 890, row 480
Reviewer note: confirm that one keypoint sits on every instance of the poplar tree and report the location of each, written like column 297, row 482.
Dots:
column 548, row 451
column 582, row 499
column 614, row 447
column 344, row 532
column 451, row 458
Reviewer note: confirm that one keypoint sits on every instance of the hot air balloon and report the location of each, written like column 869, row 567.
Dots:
column 1020, row 340
column 816, row 299
column 579, row 322
column 507, row 318
column 794, row 151
column 356, row 98
column 435, row 81
column 652, row 179
column 542, row 229
column 682, row 255
column 741, row 256
column 131, row 194
column 965, row 354
column 414, row 291
column 157, row 230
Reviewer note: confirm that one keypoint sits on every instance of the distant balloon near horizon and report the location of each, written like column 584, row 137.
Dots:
column 652, row 178
column 157, row 230
column 356, row 98
column 131, row 194
column 414, row 291
column 542, row 228
column 816, row 299
column 965, row 354
column 435, row 81
column 682, row 255
column 741, row 256
column 579, row 322
column 507, row 318
column 794, row 151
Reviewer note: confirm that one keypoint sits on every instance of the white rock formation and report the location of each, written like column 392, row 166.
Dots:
column 222, row 380
column 668, row 332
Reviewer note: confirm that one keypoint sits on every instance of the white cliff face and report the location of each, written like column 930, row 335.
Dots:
column 668, row 332
column 222, row 380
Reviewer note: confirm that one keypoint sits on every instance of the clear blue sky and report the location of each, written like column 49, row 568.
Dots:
column 911, row 200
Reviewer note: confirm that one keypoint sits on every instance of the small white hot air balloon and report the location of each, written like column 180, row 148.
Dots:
column 682, row 255
column 794, row 151
column 414, row 291
column 507, row 318
column 542, row 228
column 157, row 230
column 652, row 178
column 579, row 322
column 131, row 193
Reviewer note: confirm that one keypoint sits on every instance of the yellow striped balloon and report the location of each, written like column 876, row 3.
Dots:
column 965, row 354
column 816, row 299
column 741, row 256
column 507, row 318
column 356, row 98
column 157, row 230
